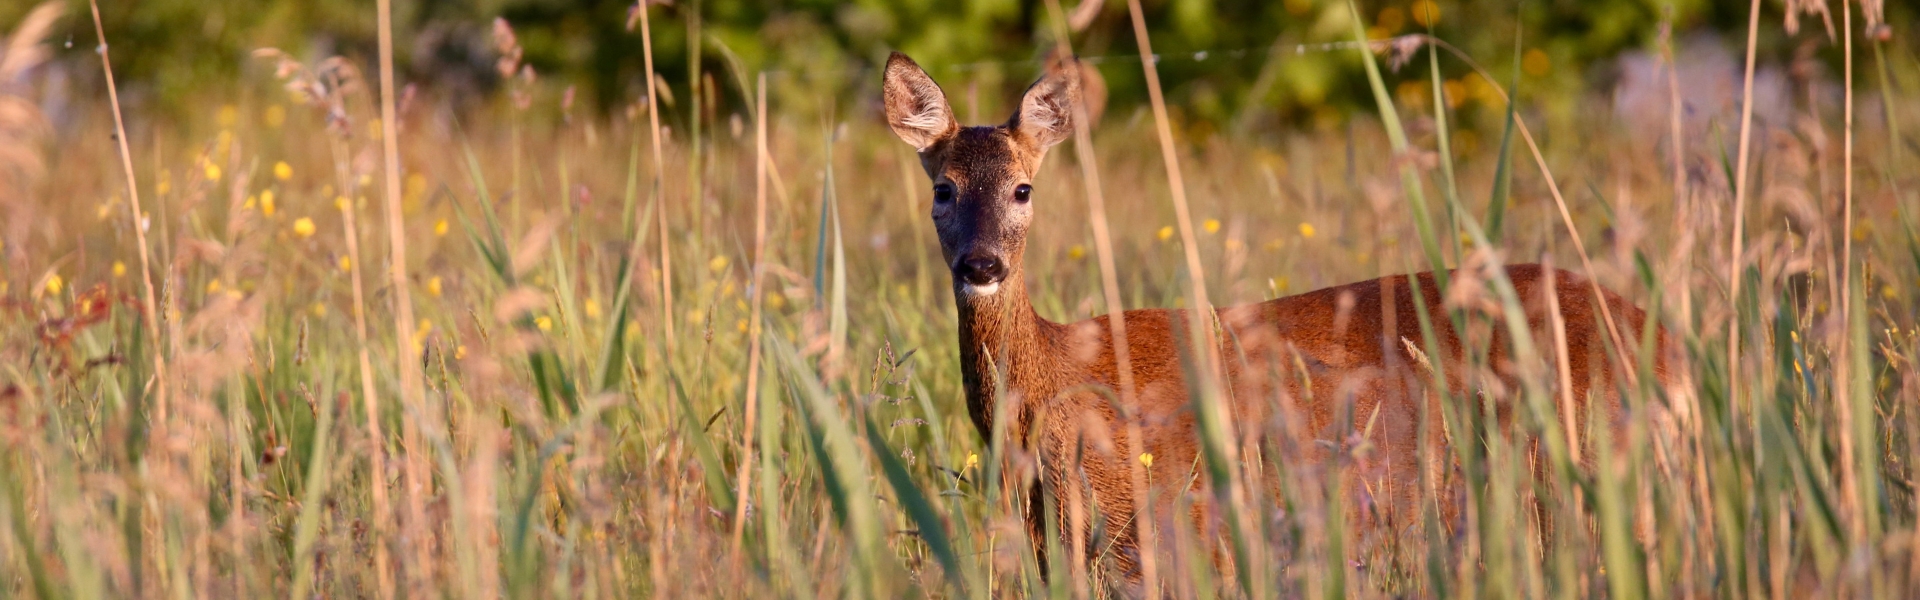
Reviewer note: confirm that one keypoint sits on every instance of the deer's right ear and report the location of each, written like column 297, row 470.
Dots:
column 916, row 108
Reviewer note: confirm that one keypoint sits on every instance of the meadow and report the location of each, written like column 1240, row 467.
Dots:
column 716, row 356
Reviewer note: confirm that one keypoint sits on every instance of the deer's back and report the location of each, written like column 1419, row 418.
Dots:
column 1343, row 359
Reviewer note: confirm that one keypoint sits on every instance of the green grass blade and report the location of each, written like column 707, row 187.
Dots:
column 1866, row 439
column 613, row 351
column 837, row 300
column 1443, row 141
column 907, row 493
column 836, row 450
column 1397, row 137
column 709, row 457
column 1502, row 177
column 312, row 505
column 38, row 573
column 495, row 248
column 1503, row 170
column 783, row 557
column 820, row 244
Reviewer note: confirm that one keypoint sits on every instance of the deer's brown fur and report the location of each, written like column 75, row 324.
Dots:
column 1329, row 371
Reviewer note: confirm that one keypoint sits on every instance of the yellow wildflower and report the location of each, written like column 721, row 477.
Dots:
column 1456, row 92
column 1077, row 252
column 592, row 308
column 266, row 203
column 1165, row 233
column 973, row 460
column 318, row 309
column 228, row 115
column 342, row 203
column 1392, row 19
column 282, row 171
column 440, row 227
column 1211, row 225
column 213, row 287
column 276, row 116
column 303, row 227
column 1426, row 13
column 213, row 172
column 433, row 287
column 1536, row 62
column 545, row 323
column 346, row 264
column 459, row 351
column 55, row 284
column 1146, row 459
column 718, row 264
column 1306, row 230
column 119, row 269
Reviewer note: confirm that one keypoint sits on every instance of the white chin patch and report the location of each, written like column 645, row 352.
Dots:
column 982, row 290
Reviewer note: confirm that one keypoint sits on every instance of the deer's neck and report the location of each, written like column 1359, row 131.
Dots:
column 1003, row 340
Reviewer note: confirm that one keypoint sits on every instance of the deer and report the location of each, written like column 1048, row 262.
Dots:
column 1336, row 365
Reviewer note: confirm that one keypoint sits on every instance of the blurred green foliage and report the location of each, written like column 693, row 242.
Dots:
column 171, row 53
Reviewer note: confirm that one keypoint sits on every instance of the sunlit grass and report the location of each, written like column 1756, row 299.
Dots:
column 571, row 448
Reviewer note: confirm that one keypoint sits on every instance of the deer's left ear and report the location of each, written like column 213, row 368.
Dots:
column 916, row 108
column 1045, row 117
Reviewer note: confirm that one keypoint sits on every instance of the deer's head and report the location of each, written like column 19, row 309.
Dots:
column 982, row 176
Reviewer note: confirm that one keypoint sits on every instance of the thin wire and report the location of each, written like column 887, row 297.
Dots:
column 1231, row 54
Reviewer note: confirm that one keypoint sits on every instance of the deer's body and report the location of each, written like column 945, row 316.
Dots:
column 1307, row 375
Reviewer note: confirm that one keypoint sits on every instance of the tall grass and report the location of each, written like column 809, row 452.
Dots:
column 775, row 409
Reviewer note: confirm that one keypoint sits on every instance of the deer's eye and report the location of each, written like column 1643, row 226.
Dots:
column 942, row 193
column 1022, row 193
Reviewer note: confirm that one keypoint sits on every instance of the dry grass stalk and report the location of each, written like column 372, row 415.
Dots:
column 369, row 394
column 1560, row 203
column 754, row 327
column 1740, row 185
column 1183, row 216
column 659, row 168
column 1204, row 323
column 22, row 126
column 139, row 217
column 403, row 339
column 1795, row 8
column 1110, row 291
column 1844, row 363
column 652, row 488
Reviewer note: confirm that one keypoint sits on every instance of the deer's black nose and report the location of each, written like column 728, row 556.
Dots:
column 980, row 268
